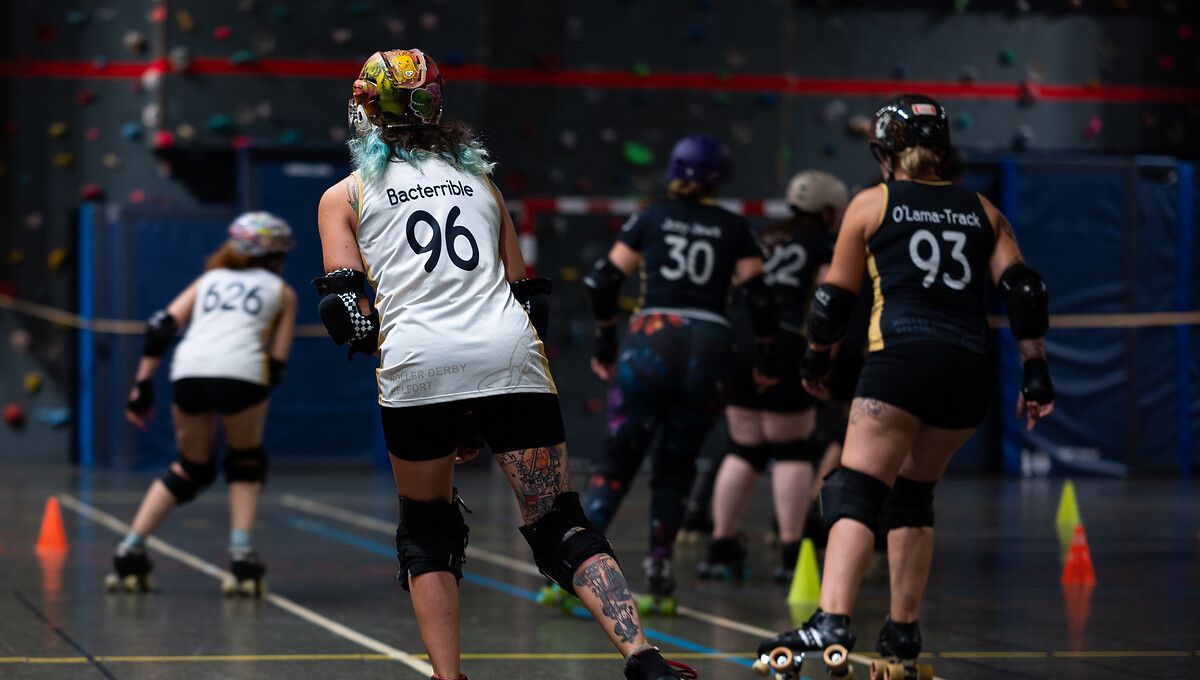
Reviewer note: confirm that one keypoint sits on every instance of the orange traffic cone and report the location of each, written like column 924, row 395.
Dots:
column 52, row 538
column 1078, row 570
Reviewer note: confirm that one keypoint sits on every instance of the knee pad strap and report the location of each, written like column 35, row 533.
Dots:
column 798, row 450
column 246, row 465
column 196, row 478
column 909, row 504
column 755, row 456
column 563, row 539
column 852, row 494
column 430, row 536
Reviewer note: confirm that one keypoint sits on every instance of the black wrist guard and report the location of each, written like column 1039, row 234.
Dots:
column 1037, row 386
column 816, row 365
column 339, row 311
column 276, row 369
column 829, row 314
column 160, row 333
column 606, row 344
column 602, row 284
column 145, row 397
column 534, row 294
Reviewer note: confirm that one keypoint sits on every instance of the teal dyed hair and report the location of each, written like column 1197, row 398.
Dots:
column 371, row 154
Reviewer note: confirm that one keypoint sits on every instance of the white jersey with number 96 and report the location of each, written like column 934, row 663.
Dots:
column 450, row 329
column 233, row 318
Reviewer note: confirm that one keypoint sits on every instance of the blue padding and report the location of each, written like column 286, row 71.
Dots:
column 1185, row 251
column 84, row 429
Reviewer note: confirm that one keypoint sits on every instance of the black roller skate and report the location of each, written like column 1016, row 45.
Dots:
column 726, row 561
column 660, row 584
column 246, row 575
column 649, row 664
column 697, row 525
column 789, row 552
column 824, row 634
column 131, row 571
column 899, row 644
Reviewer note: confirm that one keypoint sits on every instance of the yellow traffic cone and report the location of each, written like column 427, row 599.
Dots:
column 806, row 580
column 1067, row 517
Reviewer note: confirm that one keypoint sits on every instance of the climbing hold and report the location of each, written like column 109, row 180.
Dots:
column 88, row 192
column 183, row 19
column 219, row 122
column 341, row 35
column 54, row 417
column 157, row 14
column 151, row 115
column 185, row 131
column 1023, row 138
column 222, row 33
column 243, row 58
column 964, row 121
column 429, row 21
column 1007, row 57
column 180, row 58
column 1185, row 32
column 57, row 257
column 608, row 135
column 14, row 416
column 593, row 406
column 77, row 17
column 902, row 72
column 742, row 132
column 152, row 77
column 241, row 142
column 19, row 340
column 63, row 160
column 736, row 58
column 164, row 139
column 57, row 130
column 569, row 274
column 637, row 154
column 137, row 196
column 131, row 131
column 32, row 382
column 111, row 161
column 135, row 41
column 641, row 69
column 34, row 221
column 263, row 42
column 91, row 134
column 833, row 111
column 289, row 136
column 395, row 25
column 859, row 126
column 1029, row 93
column 568, row 139
column 85, row 97
column 1165, row 62
column 1093, row 127
column 968, row 75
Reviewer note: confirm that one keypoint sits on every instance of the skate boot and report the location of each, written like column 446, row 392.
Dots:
column 131, row 571
column 649, row 664
column 697, row 524
column 660, row 584
column 824, row 634
column 246, row 575
column 899, row 644
column 726, row 560
column 789, row 552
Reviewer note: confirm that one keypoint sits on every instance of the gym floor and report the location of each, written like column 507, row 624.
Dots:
column 994, row 606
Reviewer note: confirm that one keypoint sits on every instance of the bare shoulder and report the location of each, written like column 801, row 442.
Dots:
column 288, row 294
column 1000, row 223
column 865, row 212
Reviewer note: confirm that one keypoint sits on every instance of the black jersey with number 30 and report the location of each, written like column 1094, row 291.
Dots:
column 689, row 252
column 928, row 262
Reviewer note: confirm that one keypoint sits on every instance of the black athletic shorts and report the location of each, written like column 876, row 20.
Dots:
column 943, row 385
column 789, row 396
column 226, row 396
column 506, row 422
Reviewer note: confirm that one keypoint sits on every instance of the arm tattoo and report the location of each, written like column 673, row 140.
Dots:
column 537, row 476
column 608, row 584
column 352, row 194
column 862, row 408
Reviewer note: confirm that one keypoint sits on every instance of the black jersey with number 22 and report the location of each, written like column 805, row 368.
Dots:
column 689, row 251
column 928, row 262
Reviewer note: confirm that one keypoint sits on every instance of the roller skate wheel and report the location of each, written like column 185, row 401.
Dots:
column 668, row 607
column 550, row 596
column 112, row 583
column 924, row 671
column 229, row 586
column 836, row 658
column 782, row 659
column 761, row 667
column 894, row 671
column 878, row 668
column 645, row 605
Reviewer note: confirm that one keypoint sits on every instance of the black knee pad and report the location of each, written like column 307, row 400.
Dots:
column 756, row 456
column 798, row 450
column 909, row 504
column 199, row 477
column 430, row 536
column 246, row 465
column 563, row 539
column 852, row 494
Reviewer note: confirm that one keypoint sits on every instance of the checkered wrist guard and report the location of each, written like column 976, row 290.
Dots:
column 341, row 291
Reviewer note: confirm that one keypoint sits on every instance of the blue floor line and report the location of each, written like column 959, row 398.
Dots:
column 487, row 582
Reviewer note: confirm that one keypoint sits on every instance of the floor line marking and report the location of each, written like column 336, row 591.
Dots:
column 367, row 522
column 210, row 569
column 57, row 630
column 495, row 584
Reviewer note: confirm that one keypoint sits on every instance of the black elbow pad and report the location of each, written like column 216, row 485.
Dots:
column 831, row 309
column 602, row 285
column 341, row 290
column 1027, row 301
column 761, row 303
column 160, row 333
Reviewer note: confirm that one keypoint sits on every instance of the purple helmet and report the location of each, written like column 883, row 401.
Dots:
column 700, row 158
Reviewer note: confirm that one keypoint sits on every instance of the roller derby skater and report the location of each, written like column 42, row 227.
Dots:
column 925, row 385
column 776, row 425
column 421, row 214
column 239, row 318
column 666, row 376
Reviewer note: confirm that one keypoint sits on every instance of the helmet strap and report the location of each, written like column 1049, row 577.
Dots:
column 885, row 159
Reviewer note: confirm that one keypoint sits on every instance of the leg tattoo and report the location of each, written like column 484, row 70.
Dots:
column 866, row 408
column 537, row 476
column 607, row 583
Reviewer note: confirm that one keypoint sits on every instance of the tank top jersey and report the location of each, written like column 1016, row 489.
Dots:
column 450, row 328
column 689, row 252
column 793, row 257
column 928, row 262
column 233, row 317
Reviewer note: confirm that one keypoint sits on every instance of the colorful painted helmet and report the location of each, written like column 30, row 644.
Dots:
column 812, row 191
column 260, row 233
column 396, row 88
column 910, row 120
column 700, row 158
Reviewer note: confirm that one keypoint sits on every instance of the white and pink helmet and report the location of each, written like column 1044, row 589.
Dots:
column 259, row 233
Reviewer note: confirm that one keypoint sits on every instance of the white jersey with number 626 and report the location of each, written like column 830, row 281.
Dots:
column 233, row 318
column 450, row 328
